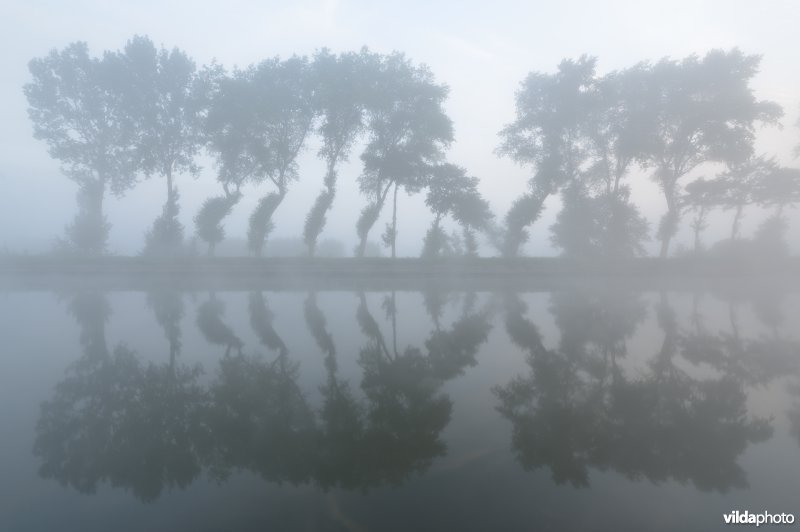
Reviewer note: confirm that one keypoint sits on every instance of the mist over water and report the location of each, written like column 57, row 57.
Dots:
column 330, row 265
column 319, row 409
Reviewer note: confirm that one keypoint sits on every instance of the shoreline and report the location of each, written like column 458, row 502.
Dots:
column 295, row 273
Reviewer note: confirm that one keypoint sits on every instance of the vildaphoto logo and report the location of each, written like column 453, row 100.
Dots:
column 764, row 518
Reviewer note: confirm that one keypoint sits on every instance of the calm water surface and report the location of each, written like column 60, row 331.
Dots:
column 582, row 409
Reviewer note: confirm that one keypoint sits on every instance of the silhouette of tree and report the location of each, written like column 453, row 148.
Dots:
column 605, row 225
column 166, row 235
column 452, row 193
column 701, row 196
column 74, row 107
column 778, row 188
column 208, row 221
column 598, row 218
column 705, row 111
column 549, row 134
column 88, row 232
column 257, row 124
column 407, row 131
column 284, row 112
column 341, row 96
column 741, row 182
column 162, row 97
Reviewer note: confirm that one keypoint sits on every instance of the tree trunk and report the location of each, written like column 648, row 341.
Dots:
column 736, row 219
column 696, row 239
column 394, row 223
column 364, row 232
column 170, row 189
column 671, row 218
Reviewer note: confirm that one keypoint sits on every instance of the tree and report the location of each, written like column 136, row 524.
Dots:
column 162, row 97
column 549, row 134
column 208, row 221
column 341, row 96
column 779, row 189
column 76, row 110
column 258, row 123
column 451, row 192
column 606, row 225
column 617, row 117
column 166, row 235
column 740, row 184
column 705, row 112
column 701, row 196
column 408, row 130
column 285, row 106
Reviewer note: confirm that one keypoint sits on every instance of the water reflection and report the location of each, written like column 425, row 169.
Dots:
column 577, row 409
column 114, row 419
column 673, row 407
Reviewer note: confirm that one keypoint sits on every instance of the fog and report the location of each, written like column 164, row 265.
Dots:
column 481, row 53
column 425, row 266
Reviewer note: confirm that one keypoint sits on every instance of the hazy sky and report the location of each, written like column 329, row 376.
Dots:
column 482, row 50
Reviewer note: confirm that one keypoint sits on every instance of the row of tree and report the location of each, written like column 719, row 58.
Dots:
column 145, row 111
column 585, row 135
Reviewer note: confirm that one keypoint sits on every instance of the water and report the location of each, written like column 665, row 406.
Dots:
column 591, row 408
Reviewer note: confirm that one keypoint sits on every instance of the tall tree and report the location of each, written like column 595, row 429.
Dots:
column 408, row 131
column 341, row 96
column 705, row 112
column 162, row 97
column 550, row 135
column 75, row 108
column 283, row 111
column 617, row 117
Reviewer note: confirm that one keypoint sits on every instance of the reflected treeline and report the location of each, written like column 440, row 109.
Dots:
column 682, row 417
column 676, row 411
column 149, row 426
column 114, row 419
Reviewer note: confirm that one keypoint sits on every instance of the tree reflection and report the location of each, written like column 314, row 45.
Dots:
column 589, row 403
column 577, row 409
column 114, row 419
column 169, row 310
column 215, row 331
column 260, row 420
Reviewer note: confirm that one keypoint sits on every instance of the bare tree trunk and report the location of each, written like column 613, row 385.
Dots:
column 736, row 219
column 394, row 223
column 170, row 189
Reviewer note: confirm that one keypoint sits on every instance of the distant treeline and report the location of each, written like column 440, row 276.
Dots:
column 144, row 111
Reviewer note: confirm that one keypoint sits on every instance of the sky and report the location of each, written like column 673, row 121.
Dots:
column 481, row 50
